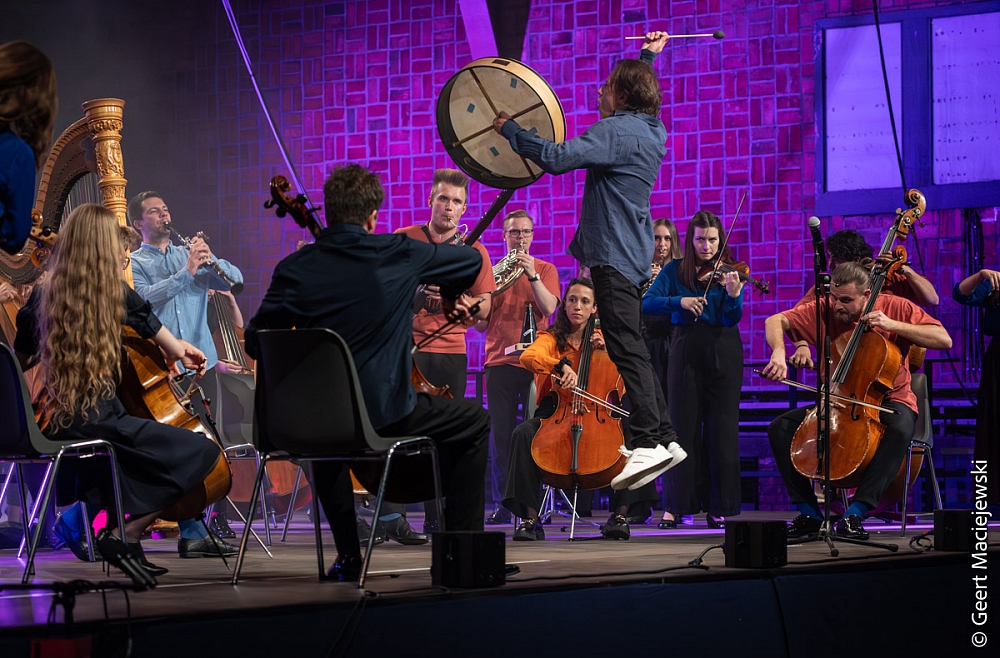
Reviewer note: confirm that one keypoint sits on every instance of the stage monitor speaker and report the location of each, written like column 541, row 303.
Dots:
column 468, row 560
column 756, row 544
column 953, row 530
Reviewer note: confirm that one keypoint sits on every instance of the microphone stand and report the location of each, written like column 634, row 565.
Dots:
column 824, row 318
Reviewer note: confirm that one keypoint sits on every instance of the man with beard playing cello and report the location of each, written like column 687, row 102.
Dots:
column 900, row 321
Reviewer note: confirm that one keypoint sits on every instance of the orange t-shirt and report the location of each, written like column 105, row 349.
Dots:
column 426, row 322
column 507, row 314
column 802, row 321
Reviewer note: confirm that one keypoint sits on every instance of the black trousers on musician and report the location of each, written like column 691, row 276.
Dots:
column 523, row 491
column 461, row 430
column 706, row 373
column 620, row 304
column 880, row 472
column 507, row 391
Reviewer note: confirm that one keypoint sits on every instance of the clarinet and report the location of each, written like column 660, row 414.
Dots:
column 235, row 286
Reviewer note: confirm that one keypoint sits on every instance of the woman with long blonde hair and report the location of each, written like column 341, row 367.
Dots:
column 72, row 326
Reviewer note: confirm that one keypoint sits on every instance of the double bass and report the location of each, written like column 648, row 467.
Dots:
column 579, row 445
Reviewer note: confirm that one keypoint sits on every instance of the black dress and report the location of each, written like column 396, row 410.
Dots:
column 157, row 463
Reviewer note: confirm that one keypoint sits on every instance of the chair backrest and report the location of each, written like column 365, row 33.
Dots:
column 924, row 429
column 17, row 418
column 308, row 400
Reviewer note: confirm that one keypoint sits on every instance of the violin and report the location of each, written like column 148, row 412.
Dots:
column 709, row 270
column 579, row 445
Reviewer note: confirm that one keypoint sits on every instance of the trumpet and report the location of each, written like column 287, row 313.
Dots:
column 507, row 271
column 234, row 286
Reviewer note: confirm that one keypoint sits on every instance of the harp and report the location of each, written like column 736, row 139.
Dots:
column 84, row 166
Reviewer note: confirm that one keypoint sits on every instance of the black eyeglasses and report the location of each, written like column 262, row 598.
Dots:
column 516, row 232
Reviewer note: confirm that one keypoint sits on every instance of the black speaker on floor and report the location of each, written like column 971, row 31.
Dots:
column 468, row 559
column 953, row 530
column 756, row 544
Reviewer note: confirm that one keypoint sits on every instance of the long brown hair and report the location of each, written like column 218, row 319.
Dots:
column 28, row 99
column 636, row 82
column 675, row 240
column 561, row 327
column 81, row 315
column 689, row 265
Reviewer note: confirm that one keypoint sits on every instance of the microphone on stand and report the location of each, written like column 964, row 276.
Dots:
column 819, row 261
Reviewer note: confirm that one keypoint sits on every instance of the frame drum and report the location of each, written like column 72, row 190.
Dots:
column 474, row 97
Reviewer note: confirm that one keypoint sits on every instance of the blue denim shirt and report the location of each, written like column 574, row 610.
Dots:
column 622, row 155
column 664, row 298
column 180, row 300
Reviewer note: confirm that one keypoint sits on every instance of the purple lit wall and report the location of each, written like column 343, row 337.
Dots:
column 359, row 82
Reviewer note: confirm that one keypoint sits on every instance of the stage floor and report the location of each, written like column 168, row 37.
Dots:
column 201, row 586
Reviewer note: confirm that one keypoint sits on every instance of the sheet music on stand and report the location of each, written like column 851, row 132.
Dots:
column 516, row 348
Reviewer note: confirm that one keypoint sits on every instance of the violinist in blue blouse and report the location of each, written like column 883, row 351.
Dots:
column 705, row 372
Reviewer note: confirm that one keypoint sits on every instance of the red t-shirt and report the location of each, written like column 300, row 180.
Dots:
column 507, row 314
column 802, row 319
column 426, row 322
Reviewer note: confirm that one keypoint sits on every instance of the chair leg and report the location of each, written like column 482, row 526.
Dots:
column 934, row 482
column 291, row 503
column 47, row 482
column 25, row 516
column 246, row 528
column 244, row 521
column 117, row 488
column 6, row 483
column 437, row 486
column 316, row 531
column 378, row 512
column 263, row 501
column 906, row 487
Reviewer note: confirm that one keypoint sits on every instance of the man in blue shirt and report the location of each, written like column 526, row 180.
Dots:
column 175, row 281
column 622, row 154
column 361, row 286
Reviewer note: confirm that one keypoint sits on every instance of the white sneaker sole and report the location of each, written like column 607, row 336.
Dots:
column 622, row 481
column 678, row 455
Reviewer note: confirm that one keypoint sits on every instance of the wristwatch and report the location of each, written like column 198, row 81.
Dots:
column 535, row 278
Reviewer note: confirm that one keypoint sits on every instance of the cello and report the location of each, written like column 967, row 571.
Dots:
column 866, row 365
column 579, row 445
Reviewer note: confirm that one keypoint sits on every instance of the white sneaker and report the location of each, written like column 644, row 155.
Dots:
column 676, row 452
column 641, row 463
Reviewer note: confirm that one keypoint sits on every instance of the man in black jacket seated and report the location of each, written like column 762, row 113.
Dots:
column 361, row 285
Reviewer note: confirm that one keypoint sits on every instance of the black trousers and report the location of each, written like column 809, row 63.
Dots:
column 461, row 430
column 524, row 480
column 507, row 390
column 988, row 419
column 877, row 477
column 659, row 356
column 444, row 370
column 619, row 303
column 706, row 373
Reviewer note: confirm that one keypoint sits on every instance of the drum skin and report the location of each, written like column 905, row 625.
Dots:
column 476, row 95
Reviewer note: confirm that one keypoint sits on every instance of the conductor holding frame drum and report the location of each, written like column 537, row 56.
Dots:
column 622, row 154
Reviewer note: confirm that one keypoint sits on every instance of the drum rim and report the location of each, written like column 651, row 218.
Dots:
column 447, row 134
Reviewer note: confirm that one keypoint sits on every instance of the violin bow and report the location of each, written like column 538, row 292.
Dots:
column 437, row 333
column 722, row 249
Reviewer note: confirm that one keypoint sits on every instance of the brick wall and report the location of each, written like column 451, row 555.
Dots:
column 358, row 81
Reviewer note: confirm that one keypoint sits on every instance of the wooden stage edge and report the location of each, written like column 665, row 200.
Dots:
column 561, row 580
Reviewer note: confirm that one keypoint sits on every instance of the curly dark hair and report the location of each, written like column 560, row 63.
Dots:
column 848, row 245
column 350, row 195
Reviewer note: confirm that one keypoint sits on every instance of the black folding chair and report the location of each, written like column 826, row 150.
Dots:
column 309, row 407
